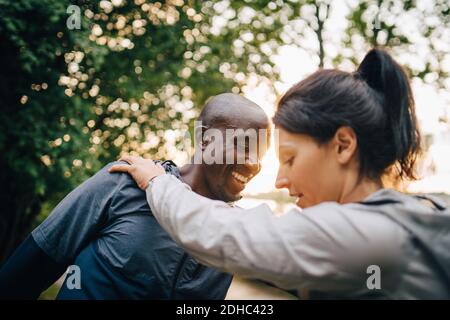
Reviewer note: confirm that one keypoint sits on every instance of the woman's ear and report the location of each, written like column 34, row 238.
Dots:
column 345, row 142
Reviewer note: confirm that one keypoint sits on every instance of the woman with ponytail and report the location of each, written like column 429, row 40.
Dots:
column 339, row 135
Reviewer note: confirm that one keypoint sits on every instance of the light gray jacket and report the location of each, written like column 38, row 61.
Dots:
column 329, row 250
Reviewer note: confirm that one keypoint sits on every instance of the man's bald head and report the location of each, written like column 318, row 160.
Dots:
column 233, row 138
column 232, row 111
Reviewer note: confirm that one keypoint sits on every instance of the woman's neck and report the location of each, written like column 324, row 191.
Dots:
column 355, row 189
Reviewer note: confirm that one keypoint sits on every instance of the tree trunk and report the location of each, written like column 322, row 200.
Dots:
column 321, row 13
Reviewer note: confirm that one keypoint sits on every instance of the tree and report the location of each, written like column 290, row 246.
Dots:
column 32, row 105
column 417, row 31
column 129, row 80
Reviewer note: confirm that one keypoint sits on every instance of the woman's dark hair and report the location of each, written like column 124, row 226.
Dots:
column 375, row 101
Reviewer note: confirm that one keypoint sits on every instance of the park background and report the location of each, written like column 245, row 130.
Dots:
column 83, row 82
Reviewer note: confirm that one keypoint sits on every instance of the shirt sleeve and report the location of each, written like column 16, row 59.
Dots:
column 327, row 247
column 18, row 278
column 76, row 220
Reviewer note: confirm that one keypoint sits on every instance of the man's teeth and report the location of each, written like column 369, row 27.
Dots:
column 239, row 177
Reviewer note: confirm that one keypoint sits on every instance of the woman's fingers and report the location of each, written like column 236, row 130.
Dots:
column 140, row 169
column 129, row 159
column 120, row 168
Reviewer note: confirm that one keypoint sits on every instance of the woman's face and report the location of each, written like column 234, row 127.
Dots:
column 313, row 173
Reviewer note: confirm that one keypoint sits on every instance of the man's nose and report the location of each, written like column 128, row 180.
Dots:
column 253, row 165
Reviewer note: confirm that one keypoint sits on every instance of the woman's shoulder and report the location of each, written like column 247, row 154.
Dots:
column 365, row 220
column 379, row 213
column 358, row 230
column 342, row 242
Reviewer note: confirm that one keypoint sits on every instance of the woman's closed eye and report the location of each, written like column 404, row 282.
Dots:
column 289, row 161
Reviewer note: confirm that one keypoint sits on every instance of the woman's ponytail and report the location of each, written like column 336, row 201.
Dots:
column 389, row 80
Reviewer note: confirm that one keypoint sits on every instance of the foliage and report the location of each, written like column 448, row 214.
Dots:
column 130, row 80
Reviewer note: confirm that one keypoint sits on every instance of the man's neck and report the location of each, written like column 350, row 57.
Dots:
column 193, row 175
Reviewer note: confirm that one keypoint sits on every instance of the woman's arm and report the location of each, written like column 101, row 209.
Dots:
column 253, row 243
column 231, row 239
column 326, row 247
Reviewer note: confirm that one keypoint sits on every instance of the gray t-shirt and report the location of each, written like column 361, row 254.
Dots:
column 111, row 212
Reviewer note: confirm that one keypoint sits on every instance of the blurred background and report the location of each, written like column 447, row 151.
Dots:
column 83, row 82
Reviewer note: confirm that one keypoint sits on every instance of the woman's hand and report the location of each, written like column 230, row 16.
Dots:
column 142, row 170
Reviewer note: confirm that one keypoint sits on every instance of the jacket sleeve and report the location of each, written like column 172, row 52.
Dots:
column 79, row 217
column 324, row 247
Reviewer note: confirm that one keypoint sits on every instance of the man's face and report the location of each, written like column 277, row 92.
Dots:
column 241, row 148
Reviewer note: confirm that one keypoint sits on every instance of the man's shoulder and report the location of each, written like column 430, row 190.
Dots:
column 123, row 180
column 126, row 196
column 116, row 178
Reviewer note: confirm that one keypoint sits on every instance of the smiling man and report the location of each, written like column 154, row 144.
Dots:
column 106, row 228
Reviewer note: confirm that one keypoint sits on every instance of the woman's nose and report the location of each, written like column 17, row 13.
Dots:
column 281, row 183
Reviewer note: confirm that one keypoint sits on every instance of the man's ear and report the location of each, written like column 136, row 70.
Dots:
column 201, row 137
column 346, row 143
column 206, row 140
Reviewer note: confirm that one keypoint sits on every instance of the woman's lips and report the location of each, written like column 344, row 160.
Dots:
column 299, row 198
